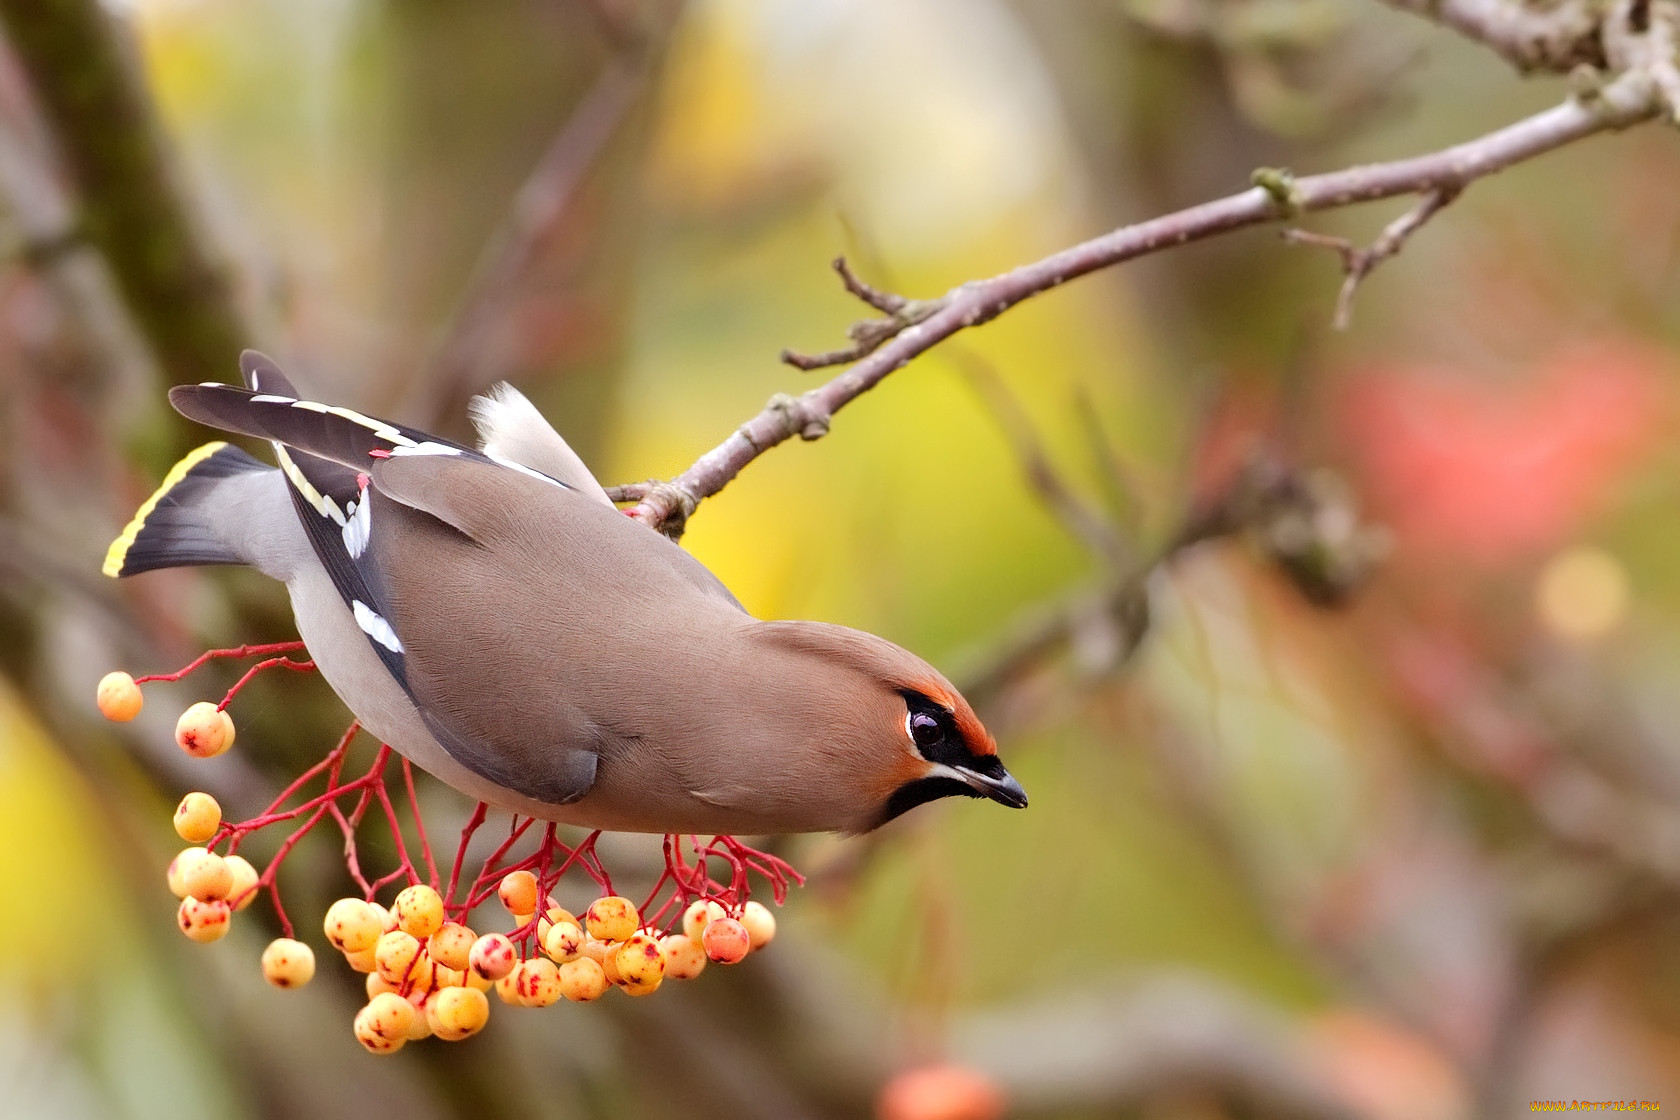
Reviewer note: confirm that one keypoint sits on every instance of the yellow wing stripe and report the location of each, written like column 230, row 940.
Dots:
column 118, row 552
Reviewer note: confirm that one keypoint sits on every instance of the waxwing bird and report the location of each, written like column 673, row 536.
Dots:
column 493, row 617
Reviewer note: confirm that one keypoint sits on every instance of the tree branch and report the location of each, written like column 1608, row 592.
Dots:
column 1630, row 99
column 131, row 210
column 1558, row 37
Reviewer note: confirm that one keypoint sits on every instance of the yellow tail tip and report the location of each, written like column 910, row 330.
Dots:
column 118, row 552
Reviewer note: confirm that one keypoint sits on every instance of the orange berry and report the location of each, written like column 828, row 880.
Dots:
column 395, row 955
column 376, row 984
column 243, row 892
column 204, row 731
column 940, row 1093
column 363, row 960
column 519, row 893
column 352, row 925
column 456, row 1013
column 760, row 923
column 582, row 980
column 287, row 963
column 563, row 942
column 445, row 977
column 684, row 958
column 726, row 940
column 419, row 911
column 471, row 979
column 119, row 697
column 608, row 960
column 700, row 912
column 203, row 921
column 387, row 1015
column 203, row 874
column 492, row 957
column 640, row 963
column 451, row 946
column 612, row 918
column 539, row 982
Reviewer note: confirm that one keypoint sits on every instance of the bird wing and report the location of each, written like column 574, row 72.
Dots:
column 366, row 540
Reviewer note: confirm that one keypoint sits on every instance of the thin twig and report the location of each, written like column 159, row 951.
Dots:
column 1086, row 524
column 867, row 334
column 543, row 203
column 1359, row 263
column 1629, row 100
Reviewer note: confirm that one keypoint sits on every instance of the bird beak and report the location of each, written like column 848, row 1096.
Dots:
column 1003, row 788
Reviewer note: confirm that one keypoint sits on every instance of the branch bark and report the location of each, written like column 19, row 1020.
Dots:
column 1630, row 99
column 88, row 85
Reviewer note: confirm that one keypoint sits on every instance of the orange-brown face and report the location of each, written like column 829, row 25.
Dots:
column 949, row 753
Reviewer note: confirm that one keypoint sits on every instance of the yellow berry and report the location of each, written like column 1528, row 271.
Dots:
column 243, row 892
column 203, row 874
column 352, row 925
column 197, row 818
column 203, row 921
column 612, row 918
column 176, row 886
column 204, row 730
column 376, row 984
column 564, row 942
column 421, row 1025
column 726, row 940
column 492, row 957
column 376, row 1043
column 684, row 958
column 471, row 979
column 539, row 982
column 119, row 697
column 395, row 955
column 760, row 924
column 507, row 987
column 363, row 960
column 451, row 946
column 457, row 1013
column 640, row 962
column 582, row 980
column 287, row 963
column 609, row 962
column 519, row 892
column 445, row 977
column 552, row 916
column 700, row 912
column 387, row 1015
column 419, row 911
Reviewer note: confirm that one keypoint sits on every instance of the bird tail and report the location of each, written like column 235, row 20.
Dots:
column 176, row 526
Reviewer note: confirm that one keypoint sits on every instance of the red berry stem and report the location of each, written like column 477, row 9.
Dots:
column 296, row 666
column 467, row 832
column 235, row 652
column 420, row 825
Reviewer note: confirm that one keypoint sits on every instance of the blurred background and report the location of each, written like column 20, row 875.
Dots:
column 1414, row 857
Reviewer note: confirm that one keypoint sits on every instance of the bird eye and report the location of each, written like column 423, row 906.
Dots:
column 924, row 729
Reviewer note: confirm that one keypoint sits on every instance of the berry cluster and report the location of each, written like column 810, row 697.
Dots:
column 428, row 973
column 428, row 976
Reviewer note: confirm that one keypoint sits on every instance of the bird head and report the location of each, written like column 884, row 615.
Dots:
column 893, row 728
